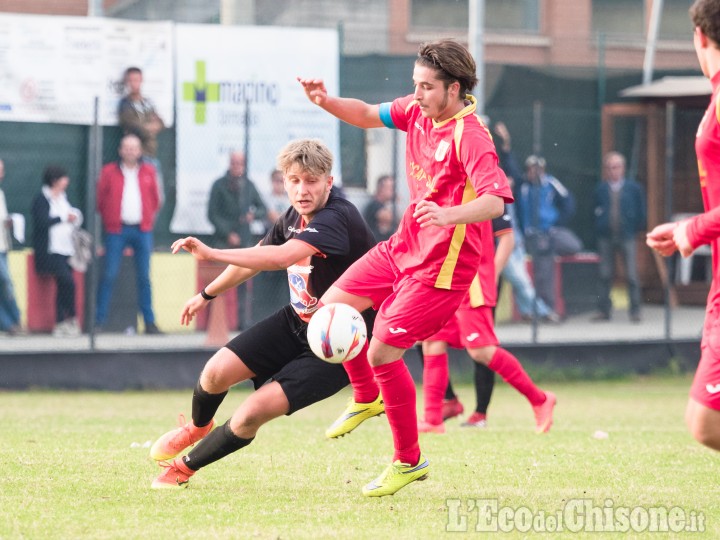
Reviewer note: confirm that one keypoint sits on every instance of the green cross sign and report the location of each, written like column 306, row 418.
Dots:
column 201, row 92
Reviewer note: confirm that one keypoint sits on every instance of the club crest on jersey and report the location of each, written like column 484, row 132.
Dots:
column 300, row 297
column 441, row 150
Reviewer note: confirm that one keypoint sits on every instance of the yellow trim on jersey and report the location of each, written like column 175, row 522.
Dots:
column 468, row 109
column 477, row 298
column 717, row 108
column 457, row 136
column 444, row 279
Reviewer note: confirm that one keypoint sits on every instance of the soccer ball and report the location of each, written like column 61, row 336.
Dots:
column 336, row 332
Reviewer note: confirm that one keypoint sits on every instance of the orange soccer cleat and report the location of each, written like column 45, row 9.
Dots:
column 175, row 441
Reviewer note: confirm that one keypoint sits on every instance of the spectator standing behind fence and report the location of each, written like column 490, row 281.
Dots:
column 53, row 221
column 128, row 200
column 137, row 115
column 515, row 270
column 620, row 214
column 9, row 311
column 379, row 213
column 545, row 207
column 236, row 210
column 235, row 207
column 277, row 201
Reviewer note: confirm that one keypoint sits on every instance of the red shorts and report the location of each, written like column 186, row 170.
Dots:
column 408, row 310
column 705, row 388
column 470, row 328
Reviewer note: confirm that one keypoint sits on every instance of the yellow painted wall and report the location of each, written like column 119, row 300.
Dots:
column 172, row 277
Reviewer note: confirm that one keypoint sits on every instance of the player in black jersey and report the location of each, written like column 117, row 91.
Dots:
column 316, row 239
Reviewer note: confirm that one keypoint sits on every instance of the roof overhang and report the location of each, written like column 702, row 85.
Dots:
column 670, row 87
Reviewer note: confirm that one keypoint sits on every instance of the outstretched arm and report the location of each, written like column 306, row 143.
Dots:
column 353, row 111
column 257, row 258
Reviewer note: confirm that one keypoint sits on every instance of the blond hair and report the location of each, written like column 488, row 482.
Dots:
column 310, row 154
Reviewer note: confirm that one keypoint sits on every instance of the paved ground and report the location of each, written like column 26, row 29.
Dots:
column 685, row 323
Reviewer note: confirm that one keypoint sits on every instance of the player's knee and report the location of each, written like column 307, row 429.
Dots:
column 482, row 355
column 245, row 424
column 705, row 437
column 212, row 379
column 703, row 431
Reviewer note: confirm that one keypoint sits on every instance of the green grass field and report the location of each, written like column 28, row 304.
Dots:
column 70, row 469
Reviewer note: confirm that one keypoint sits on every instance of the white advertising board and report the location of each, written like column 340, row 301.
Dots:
column 52, row 68
column 221, row 71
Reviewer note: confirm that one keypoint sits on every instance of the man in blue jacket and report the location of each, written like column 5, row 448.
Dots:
column 545, row 208
column 620, row 213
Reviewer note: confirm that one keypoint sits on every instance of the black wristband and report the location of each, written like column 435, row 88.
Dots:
column 206, row 296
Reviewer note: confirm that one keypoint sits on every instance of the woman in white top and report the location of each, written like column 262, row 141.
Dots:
column 54, row 220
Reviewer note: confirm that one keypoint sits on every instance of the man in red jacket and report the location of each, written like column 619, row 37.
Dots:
column 128, row 199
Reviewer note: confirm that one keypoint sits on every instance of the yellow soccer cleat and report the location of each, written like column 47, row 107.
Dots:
column 175, row 441
column 395, row 477
column 354, row 415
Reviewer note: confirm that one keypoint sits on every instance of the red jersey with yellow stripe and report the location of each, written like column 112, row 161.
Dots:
column 483, row 289
column 450, row 163
column 705, row 228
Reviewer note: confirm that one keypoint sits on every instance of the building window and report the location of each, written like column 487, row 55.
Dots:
column 518, row 15
column 500, row 15
column 631, row 17
column 618, row 17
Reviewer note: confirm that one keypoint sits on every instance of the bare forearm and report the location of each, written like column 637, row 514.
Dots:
column 483, row 208
column 258, row 258
column 231, row 277
column 505, row 245
column 353, row 111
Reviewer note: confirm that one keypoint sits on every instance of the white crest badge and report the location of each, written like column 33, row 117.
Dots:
column 441, row 150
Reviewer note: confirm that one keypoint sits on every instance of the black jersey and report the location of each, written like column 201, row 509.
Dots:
column 339, row 236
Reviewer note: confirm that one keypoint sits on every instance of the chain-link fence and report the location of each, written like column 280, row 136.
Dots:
column 552, row 112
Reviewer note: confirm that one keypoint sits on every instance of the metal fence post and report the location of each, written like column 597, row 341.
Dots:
column 94, row 162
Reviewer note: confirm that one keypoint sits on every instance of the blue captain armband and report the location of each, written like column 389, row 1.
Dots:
column 385, row 116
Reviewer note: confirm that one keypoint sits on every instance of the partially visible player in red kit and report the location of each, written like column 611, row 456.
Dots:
column 473, row 328
column 418, row 277
column 703, row 410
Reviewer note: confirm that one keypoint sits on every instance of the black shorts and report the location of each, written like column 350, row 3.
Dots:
column 276, row 349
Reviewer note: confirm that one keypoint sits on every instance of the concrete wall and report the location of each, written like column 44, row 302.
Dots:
column 171, row 369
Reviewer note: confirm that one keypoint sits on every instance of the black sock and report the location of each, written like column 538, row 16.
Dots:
column 216, row 445
column 449, row 392
column 484, row 384
column 204, row 405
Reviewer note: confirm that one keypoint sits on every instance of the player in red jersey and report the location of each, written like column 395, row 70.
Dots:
column 418, row 277
column 703, row 410
column 473, row 329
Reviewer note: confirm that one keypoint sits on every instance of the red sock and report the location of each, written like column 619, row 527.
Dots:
column 435, row 380
column 398, row 390
column 365, row 389
column 510, row 369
